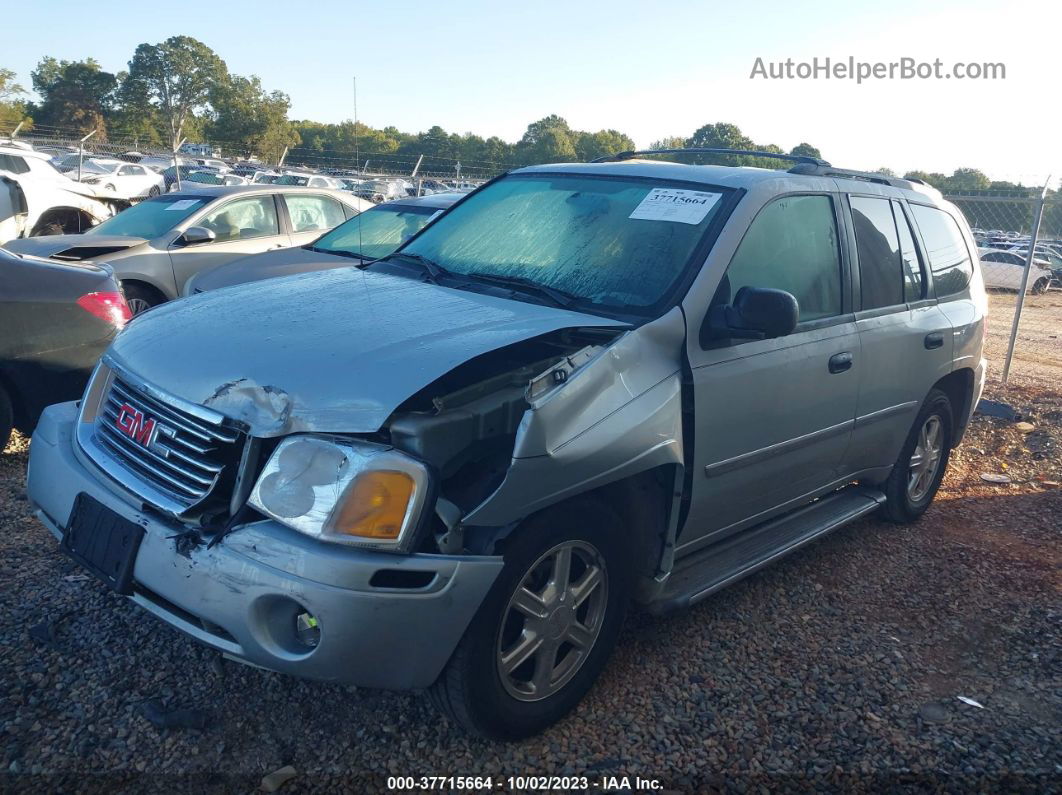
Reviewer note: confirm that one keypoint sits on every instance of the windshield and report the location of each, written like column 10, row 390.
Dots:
column 377, row 232
column 619, row 243
column 151, row 218
column 291, row 179
column 92, row 167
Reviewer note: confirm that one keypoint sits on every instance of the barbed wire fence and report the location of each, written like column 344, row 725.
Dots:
column 363, row 163
column 1019, row 239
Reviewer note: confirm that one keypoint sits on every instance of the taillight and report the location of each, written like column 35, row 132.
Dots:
column 108, row 307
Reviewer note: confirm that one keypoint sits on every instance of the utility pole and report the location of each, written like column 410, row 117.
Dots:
column 81, row 152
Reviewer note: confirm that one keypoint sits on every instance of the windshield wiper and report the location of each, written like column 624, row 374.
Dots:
column 558, row 297
column 431, row 269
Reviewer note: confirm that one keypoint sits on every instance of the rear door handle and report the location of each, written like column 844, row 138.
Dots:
column 934, row 340
column 840, row 362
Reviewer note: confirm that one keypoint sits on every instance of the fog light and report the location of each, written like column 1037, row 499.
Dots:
column 307, row 630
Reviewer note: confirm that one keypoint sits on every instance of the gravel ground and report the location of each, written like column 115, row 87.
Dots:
column 838, row 668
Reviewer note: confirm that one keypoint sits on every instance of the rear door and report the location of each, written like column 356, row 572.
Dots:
column 906, row 340
column 311, row 215
column 242, row 226
column 773, row 417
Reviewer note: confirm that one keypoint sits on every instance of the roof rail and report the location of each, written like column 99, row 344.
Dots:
column 802, row 159
column 867, row 176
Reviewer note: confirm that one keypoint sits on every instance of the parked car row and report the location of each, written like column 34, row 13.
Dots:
column 456, row 436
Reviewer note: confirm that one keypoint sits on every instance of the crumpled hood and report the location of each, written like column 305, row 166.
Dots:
column 47, row 245
column 282, row 262
column 333, row 351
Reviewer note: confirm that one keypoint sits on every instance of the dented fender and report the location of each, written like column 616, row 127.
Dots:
column 617, row 415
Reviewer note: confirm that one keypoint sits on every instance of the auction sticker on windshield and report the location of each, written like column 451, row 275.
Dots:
column 183, row 204
column 672, row 204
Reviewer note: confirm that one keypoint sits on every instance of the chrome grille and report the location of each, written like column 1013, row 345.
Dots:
column 179, row 457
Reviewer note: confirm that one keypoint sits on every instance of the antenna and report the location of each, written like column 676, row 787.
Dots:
column 357, row 156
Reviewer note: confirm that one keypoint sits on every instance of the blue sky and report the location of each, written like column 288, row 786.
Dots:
column 492, row 67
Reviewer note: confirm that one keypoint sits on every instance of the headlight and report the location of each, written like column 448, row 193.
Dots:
column 343, row 491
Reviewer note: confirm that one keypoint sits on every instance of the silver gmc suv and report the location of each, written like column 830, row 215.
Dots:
column 582, row 386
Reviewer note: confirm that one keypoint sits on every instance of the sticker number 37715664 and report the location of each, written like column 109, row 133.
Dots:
column 678, row 206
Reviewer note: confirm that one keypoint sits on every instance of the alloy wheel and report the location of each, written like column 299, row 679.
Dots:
column 925, row 461
column 552, row 621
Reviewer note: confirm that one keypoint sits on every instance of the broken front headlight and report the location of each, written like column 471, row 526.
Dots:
column 343, row 491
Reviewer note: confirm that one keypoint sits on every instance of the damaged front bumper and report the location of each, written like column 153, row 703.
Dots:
column 384, row 620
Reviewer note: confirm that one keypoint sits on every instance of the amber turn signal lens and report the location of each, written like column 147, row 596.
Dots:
column 375, row 506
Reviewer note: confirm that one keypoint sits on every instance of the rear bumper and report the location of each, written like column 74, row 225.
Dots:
column 241, row 597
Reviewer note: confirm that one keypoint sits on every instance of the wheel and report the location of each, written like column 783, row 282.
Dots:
column 140, row 298
column 918, row 471
column 154, row 191
column 109, row 187
column 50, row 228
column 546, row 628
column 7, row 418
column 1040, row 287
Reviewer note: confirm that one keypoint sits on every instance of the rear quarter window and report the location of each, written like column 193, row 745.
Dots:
column 949, row 257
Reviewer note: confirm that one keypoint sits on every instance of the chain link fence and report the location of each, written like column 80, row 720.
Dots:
column 377, row 175
column 1019, row 239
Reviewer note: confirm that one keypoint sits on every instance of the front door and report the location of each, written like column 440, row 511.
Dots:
column 241, row 227
column 774, row 417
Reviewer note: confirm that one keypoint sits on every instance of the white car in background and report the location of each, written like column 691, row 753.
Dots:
column 35, row 199
column 126, row 180
column 1005, row 269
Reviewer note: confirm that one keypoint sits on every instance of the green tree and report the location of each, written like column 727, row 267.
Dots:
column 669, row 142
column 888, row 172
column 805, row 150
column 248, row 118
column 966, row 179
column 935, row 179
column 589, row 145
column 548, row 140
column 720, row 136
column 177, row 76
column 12, row 108
column 76, row 94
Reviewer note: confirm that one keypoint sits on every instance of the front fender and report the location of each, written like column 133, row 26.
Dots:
column 618, row 415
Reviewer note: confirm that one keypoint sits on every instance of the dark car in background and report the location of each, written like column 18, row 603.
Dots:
column 56, row 320
column 373, row 234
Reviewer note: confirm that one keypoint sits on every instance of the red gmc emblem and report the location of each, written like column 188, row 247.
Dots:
column 139, row 427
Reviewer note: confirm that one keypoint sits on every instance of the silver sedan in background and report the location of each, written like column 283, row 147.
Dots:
column 156, row 246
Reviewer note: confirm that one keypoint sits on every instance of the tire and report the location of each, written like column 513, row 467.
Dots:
column 905, row 498
column 1040, row 287
column 7, row 418
column 141, row 298
column 50, row 228
column 154, row 191
column 474, row 691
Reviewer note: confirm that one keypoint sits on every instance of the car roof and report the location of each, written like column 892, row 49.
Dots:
column 229, row 190
column 722, row 176
column 438, row 200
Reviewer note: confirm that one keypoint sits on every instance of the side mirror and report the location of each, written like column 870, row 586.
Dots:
column 195, row 235
column 757, row 313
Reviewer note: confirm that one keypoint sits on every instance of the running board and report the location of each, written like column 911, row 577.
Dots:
column 718, row 565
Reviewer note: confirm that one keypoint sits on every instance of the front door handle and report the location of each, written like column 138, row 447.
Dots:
column 840, row 362
column 934, row 340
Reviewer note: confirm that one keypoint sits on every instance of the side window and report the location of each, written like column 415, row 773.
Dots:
column 792, row 245
column 14, row 164
column 913, row 278
column 878, row 249
column 126, row 171
column 243, row 219
column 949, row 258
column 310, row 213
